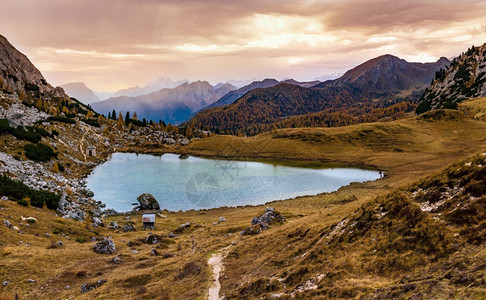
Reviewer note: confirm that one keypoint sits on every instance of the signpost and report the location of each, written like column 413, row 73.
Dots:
column 148, row 221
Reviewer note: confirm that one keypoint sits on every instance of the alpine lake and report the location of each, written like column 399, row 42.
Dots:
column 188, row 183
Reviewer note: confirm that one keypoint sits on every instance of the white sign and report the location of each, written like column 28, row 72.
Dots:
column 148, row 218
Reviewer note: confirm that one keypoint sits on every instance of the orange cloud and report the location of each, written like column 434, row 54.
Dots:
column 113, row 44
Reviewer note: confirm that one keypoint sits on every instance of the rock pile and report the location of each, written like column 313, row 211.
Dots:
column 258, row 224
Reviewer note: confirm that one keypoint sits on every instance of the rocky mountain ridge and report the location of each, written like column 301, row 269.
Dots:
column 378, row 83
column 465, row 78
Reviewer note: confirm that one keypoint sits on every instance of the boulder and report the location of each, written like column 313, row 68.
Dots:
column 254, row 229
column 114, row 225
column 269, row 217
column 105, row 247
column 261, row 223
column 97, row 222
column 129, row 226
column 147, row 202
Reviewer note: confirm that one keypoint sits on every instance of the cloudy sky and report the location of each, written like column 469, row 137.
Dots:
column 113, row 44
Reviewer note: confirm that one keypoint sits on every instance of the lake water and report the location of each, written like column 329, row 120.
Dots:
column 198, row 183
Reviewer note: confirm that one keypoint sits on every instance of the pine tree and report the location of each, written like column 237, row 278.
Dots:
column 127, row 118
column 113, row 115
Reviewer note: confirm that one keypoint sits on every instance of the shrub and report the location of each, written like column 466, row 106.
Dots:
column 39, row 152
column 51, row 200
column 23, row 203
column 81, row 240
column 92, row 122
column 15, row 190
column 26, row 134
column 4, row 127
column 62, row 120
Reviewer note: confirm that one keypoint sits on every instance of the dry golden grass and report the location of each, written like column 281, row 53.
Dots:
column 407, row 150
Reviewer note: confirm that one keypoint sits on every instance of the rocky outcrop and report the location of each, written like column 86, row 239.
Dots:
column 465, row 78
column 269, row 217
column 105, row 247
column 258, row 224
column 147, row 202
column 19, row 75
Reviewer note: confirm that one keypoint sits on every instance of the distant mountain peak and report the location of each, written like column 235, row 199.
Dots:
column 388, row 73
column 81, row 92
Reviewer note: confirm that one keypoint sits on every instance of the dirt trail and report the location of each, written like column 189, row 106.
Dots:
column 216, row 262
column 81, row 142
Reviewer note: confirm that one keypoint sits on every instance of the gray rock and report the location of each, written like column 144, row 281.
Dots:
column 105, row 247
column 148, row 202
column 113, row 225
column 89, row 193
column 154, row 252
column 5, row 283
column 129, row 227
column 91, row 286
column 269, row 217
column 97, row 222
column 60, row 243
column 30, row 280
column 116, row 260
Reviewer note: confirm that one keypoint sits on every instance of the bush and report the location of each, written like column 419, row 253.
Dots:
column 22, row 133
column 81, row 240
column 22, row 202
column 4, row 127
column 51, row 200
column 62, row 120
column 92, row 122
column 15, row 190
column 39, row 152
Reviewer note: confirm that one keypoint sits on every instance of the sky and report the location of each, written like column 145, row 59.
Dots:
column 115, row 44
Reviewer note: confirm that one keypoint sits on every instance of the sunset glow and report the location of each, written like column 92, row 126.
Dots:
column 116, row 44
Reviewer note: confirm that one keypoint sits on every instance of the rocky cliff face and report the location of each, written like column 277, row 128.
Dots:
column 465, row 78
column 18, row 75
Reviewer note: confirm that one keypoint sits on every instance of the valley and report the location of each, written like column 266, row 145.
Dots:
column 415, row 233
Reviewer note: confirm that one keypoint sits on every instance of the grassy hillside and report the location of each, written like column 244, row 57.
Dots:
column 367, row 239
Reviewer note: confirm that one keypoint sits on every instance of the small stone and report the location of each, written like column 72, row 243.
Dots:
column 30, row 280
column 116, row 260
column 48, row 234
column 5, row 283
column 154, row 252
column 134, row 251
column 60, row 243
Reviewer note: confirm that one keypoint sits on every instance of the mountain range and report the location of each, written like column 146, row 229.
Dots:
column 171, row 105
column 382, row 81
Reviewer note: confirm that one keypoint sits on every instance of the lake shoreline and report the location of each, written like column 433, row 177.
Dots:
column 345, row 178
